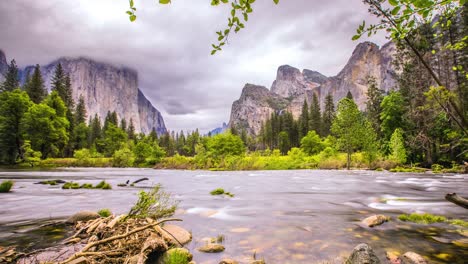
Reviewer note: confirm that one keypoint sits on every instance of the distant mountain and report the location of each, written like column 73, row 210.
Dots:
column 292, row 87
column 219, row 130
column 105, row 88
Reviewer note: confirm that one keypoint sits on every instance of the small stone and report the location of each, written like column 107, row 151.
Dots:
column 212, row 248
column 412, row 258
column 393, row 257
column 258, row 262
column 82, row 216
column 228, row 261
column 363, row 254
column 375, row 220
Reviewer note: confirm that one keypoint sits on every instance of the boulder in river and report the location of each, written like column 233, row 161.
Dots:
column 212, row 248
column 375, row 220
column 82, row 216
column 412, row 258
column 176, row 234
column 363, row 254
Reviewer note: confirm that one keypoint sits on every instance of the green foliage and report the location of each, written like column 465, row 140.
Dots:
column 13, row 107
column 219, row 191
column 225, row 144
column 86, row 186
column 422, row 218
column 5, row 186
column 35, row 86
column 11, row 78
column 430, row 219
column 312, row 143
column 349, row 127
column 315, row 123
column 103, row 185
column 393, row 110
column 155, row 204
column 45, row 126
column 114, row 137
column 408, row 169
column 328, row 115
column 71, row 185
column 30, row 156
column 104, row 212
column 397, row 147
column 176, row 256
column 123, row 158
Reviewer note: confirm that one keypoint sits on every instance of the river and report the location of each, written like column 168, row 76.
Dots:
column 297, row 216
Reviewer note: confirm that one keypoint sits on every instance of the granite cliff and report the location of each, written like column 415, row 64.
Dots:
column 105, row 88
column 293, row 86
column 3, row 65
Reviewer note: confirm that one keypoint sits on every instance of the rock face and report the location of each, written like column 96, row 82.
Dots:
column 3, row 65
column 106, row 88
column 292, row 87
column 363, row 254
column 254, row 106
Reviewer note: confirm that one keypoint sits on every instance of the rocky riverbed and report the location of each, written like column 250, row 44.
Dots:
column 278, row 216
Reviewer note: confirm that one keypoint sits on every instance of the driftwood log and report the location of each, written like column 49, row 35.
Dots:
column 456, row 199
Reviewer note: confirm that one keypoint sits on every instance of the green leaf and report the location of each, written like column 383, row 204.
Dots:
column 276, row 1
column 132, row 18
column 213, row 52
column 164, row 2
column 393, row 2
column 356, row 37
column 396, row 10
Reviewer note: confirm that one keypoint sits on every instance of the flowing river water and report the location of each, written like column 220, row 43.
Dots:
column 300, row 216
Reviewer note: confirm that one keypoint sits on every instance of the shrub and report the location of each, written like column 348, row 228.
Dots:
column 86, row 186
column 103, row 185
column 155, row 204
column 177, row 256
column 5, row 186
column 123, row 158
column 437, row 168
column 105, row 212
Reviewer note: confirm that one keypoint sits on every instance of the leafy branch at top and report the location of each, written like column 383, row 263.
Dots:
column 239, row 14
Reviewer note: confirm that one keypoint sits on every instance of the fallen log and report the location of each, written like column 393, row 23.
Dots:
column 140, row 180
column 456, row 199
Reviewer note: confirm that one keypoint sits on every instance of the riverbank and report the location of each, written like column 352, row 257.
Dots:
column 253, row 162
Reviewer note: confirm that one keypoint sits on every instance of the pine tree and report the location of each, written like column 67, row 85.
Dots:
column 328, row 115
column 349, row 95
column 123, row 124
column 374, row 99
column 131, row 130
column 58, row 81
column 80, row 111
column 315, row 115
column 35, row 86
column 67, row 96
column 95, row 131
column 304, row 120
column 11, row 78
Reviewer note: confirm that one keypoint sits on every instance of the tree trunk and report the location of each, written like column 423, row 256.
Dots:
column 348, row 163
column 456, row 199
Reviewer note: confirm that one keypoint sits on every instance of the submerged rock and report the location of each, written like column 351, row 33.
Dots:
column 82, row 216
column 412, row 258
column 363, row 254
column 228, row 261
column 212, row 248
column 375, row 220
column 393, row 257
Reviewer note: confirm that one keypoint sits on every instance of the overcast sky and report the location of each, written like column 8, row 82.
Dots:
column 170, row 45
